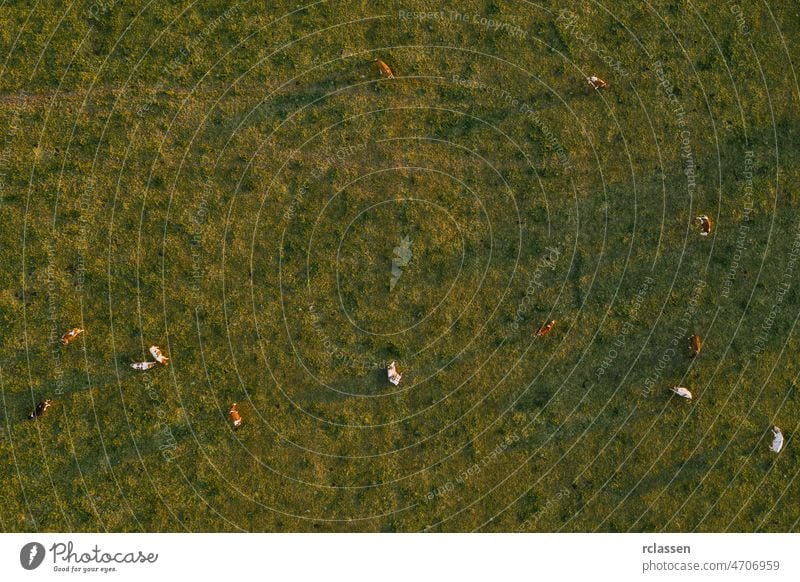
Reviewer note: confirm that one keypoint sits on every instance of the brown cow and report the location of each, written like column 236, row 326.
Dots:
column 233, row 414
column 694, row 345
column 545, row 329
column 384, row 69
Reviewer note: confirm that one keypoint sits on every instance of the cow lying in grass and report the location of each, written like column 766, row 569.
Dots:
column 70, row 335
column 545, row 329
column 156, row 353
column 694, row 345
column 143, row 365
column 682, row 392
column 705, row 225
column 596, row 82
column 233, row 414
column 394, row 377
column 777, row 440
column 159, row 357
column 384, row 69
column 40, row 409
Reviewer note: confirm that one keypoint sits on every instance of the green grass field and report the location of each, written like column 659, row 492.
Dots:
column 234, row 181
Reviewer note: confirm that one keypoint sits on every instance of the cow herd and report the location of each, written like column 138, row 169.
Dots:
column 394, row 377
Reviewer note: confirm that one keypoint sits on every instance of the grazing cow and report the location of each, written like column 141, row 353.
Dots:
column 143, row 365
column 394, row 377
column 694, row 345
column 705, row 225
column 682, row 392
column 70, row 335
column 384, row 69
column 777, row 440
column 40, row 409
column 597, row 82
column 160, row 358
column 545, row 329
column 233, row 414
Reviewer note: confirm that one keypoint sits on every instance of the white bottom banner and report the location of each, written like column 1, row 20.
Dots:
column 396, row 557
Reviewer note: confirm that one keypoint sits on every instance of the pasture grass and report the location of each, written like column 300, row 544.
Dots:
column 229, row 181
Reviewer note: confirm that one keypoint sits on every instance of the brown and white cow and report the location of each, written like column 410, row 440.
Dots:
column 705, row 225
column 394, row 375
column 545, row 329
column 596, row 82
column 70, row 335
column 159, row 357
column 233, row 414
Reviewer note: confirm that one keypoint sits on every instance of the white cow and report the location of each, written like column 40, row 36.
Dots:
column 143, row 365
column 777, row 440
column 160, row 358
column 682, row 392
column 394, row 377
